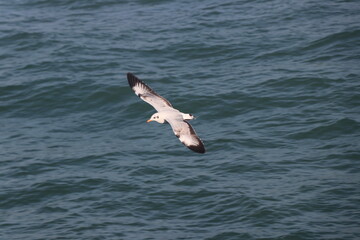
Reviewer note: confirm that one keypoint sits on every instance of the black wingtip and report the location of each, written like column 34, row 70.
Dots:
column 197, row 148
column 132, row 79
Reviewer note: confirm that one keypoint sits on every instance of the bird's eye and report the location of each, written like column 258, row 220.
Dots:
column 190, row 115
column 157, row 117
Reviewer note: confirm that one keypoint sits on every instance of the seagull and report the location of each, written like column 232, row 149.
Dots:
column 166, row 113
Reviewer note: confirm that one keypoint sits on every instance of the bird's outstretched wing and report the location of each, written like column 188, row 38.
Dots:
column 187, row 135
column 144, row 92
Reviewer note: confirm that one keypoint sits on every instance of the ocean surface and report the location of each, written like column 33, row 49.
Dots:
column 275, row 87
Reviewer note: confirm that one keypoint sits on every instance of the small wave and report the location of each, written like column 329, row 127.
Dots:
column 341, row 127
column 319, row 49
column 58, row 98
column 334, row 39
column 299, row 83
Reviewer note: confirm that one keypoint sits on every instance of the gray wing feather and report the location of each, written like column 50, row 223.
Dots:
column 147, row 94
column 187, row 135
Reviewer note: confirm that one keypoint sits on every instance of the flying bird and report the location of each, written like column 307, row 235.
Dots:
column 166, row 113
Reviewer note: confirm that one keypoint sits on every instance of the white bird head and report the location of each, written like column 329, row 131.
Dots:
column 156, row 117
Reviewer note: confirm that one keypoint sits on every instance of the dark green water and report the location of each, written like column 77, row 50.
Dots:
column 275, row 88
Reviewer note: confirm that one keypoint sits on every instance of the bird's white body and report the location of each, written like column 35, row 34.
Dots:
column 160, row 117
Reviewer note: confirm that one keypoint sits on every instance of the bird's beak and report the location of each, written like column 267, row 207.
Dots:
column 149, row 120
